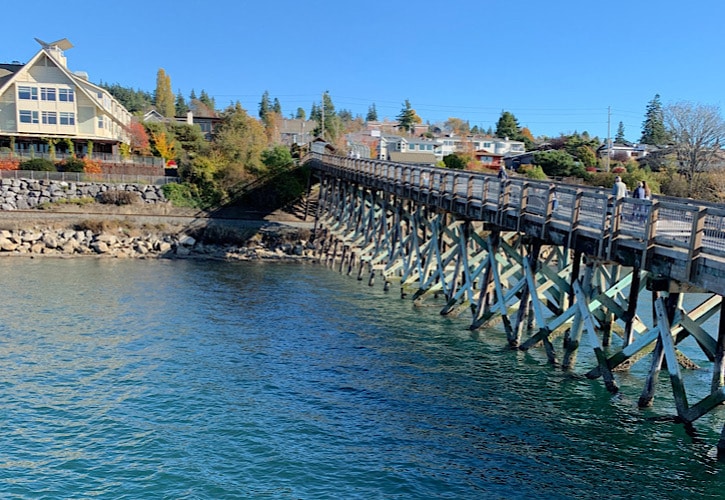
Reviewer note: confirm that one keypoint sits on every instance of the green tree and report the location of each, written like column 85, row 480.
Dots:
column 207, row 101
column 329, row 125
column 164, row 97
column 135, row 101
column 277, row 158
column 554, row 162
column 408, row 117
column 620, row 134
column 372, row 115
column 238, row 141
column 456, row 161
column 301, row 115
column 507, row 126
column 587, row 156
column 653, row 127
column 189, row 138
column 265, row 106
column 277, row 107
column 180, row 107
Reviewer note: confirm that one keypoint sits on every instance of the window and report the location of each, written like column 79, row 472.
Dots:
column 486, row 144
column 65, row 95
column 47, row 94
column 30, row 93
column 28, row 116
column 67, row 118
column 486, row 159
column 50, row 118
column 100, row 122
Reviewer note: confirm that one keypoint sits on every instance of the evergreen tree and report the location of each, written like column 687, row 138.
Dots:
column 181, row 107
column 653, row 127
column 192, row 96
column 135, row 101
column 265, row 105
column 277, row 107
column 407, row 117
column 620, row 134
column 372, row 115
column 329, row 125
column 507, row 126
column 206, row 100
column 301, row 115
column 164, row 97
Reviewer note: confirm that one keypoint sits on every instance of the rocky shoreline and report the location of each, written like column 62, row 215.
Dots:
column 128, row 242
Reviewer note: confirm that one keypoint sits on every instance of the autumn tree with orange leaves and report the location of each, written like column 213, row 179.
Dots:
column 139, row 138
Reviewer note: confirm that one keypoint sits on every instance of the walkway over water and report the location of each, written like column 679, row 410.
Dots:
column 549, row 260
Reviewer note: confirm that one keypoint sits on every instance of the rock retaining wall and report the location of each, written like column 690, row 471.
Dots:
column 22, row 194
column 72, row 242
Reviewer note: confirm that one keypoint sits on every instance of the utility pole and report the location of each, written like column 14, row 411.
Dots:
column 609, row 141
column 322, row 125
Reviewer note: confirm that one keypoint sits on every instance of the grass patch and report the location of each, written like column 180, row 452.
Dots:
column 113, row 197
column 81, row 202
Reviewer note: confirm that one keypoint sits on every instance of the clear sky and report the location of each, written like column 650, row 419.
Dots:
column 558, row 66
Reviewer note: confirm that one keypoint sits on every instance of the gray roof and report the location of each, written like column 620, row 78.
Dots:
column 7, row 71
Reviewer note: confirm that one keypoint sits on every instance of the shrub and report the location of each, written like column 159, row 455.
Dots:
column 456, row 161
column 532, row 172
column 180, row 195
column 9, row 164
column 113, row 197
column 619, row 170
column 38, row 164
column 71, row 164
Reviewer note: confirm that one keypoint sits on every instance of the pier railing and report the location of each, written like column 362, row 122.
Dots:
column 682, row 238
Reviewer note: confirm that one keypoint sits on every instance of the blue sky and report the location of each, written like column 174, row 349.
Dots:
column 557, row 66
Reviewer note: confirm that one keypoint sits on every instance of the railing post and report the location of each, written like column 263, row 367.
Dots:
column 523, row 204
column 696, row 233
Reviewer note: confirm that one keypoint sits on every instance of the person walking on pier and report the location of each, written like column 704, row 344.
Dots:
column 619, row 190
column 502, row 174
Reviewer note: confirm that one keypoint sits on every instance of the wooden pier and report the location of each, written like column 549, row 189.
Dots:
column 561, row 266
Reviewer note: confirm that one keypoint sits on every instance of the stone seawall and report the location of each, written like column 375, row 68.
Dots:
column 143, row 243
column 23, row 194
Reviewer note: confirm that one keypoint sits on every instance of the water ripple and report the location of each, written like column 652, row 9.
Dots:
column 211, row 380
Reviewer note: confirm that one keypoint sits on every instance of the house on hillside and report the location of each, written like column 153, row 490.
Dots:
column 488, row 160
column 623, row 151
column 296, row 131
column 43, row 99
column 408, row 149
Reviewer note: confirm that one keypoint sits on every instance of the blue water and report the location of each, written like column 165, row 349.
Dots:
column 211, row 380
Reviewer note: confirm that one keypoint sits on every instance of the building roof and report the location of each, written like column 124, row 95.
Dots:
column 7, row 71
column 296, row 126
column 425, row 158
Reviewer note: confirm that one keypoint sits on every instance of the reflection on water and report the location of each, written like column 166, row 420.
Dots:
column 156, row 379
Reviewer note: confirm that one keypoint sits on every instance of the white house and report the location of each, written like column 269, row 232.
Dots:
column 43, row 99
